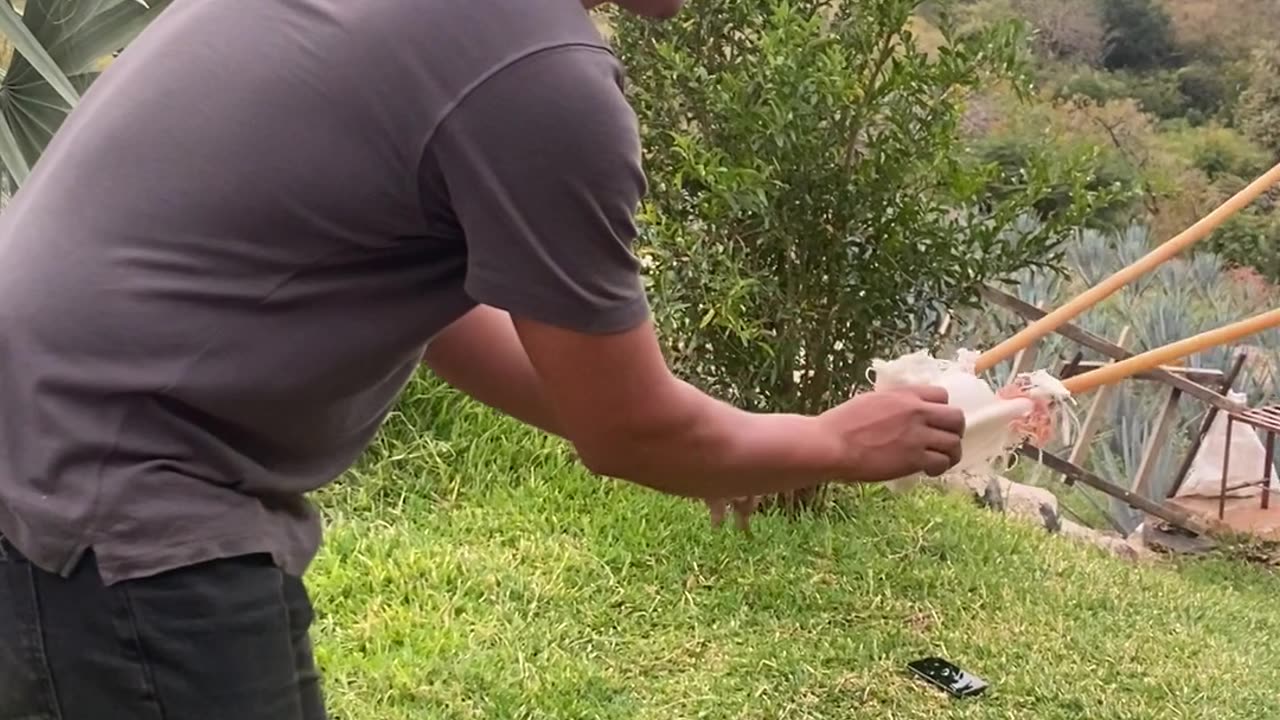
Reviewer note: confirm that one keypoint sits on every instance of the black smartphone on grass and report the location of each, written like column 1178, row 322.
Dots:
column 948, row 677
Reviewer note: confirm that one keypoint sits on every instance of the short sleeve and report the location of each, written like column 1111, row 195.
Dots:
column 541, row 164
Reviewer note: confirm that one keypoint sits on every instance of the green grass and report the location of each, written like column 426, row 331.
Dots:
column 471, row 570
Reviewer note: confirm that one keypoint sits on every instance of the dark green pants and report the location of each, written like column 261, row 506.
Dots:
column 225, row 640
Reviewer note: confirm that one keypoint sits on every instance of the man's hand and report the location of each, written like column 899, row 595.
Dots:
column 893, row 434
column 888, row 435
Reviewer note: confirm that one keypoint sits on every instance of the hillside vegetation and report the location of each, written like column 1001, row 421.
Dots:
column 1179, row 99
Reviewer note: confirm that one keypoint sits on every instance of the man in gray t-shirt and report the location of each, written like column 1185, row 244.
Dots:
column 259, row 222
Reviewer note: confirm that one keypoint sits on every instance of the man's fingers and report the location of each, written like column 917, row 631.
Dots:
column 936, row 464
column 718, row 509
column 946, row 443
column 742, row 507
column 947, row 419
column 928, row 393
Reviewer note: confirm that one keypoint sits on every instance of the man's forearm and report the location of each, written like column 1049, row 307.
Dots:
column 700, row 447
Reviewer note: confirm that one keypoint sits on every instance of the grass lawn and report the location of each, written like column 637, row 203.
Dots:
column 471, row 570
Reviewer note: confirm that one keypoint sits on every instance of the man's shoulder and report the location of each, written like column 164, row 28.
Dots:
column 481, row 36
column 447, row 50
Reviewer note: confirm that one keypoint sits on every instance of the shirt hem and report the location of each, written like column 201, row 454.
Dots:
column 115, row 568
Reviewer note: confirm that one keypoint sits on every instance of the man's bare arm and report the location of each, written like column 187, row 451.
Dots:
column 481, row 355
column 615, row 399
column 649, row 428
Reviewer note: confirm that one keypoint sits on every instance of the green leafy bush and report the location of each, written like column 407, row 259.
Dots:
column 1157, row 92
column 1139, row 35
column 1209, row 89
column 1108, row 175
column 810, row 205
column 1099, row 86
column 1251, row 239
column 1220, row 153
column 1258, row 113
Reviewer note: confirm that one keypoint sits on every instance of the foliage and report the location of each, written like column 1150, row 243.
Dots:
column 1197, row 92
column 1118, row 140
column 1221, row 153
column 59, row 46
column 1222, row 30
column 1251, row 239
column 1208, row 90
column 1097, row 86
column 1139, row 35
column 1158, row 92
column 1145, row 119
column 1106, row 171
column 810, row 204
column 1259, row 109
column 1069, row 30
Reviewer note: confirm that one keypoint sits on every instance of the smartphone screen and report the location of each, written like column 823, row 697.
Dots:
column 948, row 677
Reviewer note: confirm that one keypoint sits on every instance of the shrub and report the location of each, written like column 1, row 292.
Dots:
column 811, row 206
column 1139, row 35
column 1106, row 170
column 1258, row 112
column 1251, row 239
column 1217, row 30
column 1220, row 153
column 1114, row 141
column 1099, row 86
column 1157, row 92
column 1207, row 89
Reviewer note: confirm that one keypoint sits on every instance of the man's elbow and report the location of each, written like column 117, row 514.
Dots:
column 628, row 460
column 606, row 457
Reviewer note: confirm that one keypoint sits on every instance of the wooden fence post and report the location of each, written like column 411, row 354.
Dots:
column 1097, row 413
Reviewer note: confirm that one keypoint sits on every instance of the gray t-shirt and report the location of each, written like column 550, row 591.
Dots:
column 228, row 263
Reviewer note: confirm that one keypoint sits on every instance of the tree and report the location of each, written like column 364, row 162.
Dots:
column 1068, row 30
column 811, row 204
column 1215, row 30
column 1258, row 112
column 1139, row 35
column 58, row 49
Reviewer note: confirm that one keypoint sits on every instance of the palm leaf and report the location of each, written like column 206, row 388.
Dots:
column 73, row 35
column 15, row 163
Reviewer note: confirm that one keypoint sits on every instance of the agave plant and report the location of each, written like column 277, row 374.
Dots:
column 58, row 49
column 1204, row 272
column 1092, row 257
